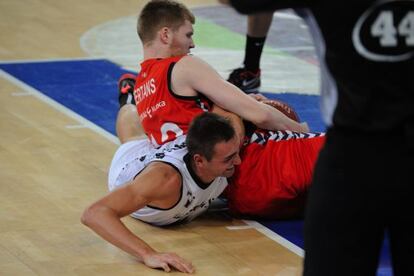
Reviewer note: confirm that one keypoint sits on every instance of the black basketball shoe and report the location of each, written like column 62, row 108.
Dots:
column 126, row 85
column 246, row 80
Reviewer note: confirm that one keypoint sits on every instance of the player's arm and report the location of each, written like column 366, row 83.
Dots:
column 193, row 73
column 154, row 184
column 234, row 119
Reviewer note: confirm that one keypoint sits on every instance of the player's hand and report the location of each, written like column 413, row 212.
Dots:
column 168, row 260
column 258, row 97
column 305, row 127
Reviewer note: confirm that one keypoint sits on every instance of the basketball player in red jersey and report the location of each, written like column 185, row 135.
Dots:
column 167, row 99
column 172, row 86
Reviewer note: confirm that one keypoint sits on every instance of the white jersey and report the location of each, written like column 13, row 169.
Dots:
column 132, row 157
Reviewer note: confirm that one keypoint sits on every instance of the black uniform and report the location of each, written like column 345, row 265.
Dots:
column 362, row 181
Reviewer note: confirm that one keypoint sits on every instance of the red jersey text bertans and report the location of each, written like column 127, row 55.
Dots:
column 164, row 115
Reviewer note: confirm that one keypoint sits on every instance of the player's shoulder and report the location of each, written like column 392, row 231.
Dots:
column 170, row 179
column 163, row 170
column 161, row 179
column 190, row 61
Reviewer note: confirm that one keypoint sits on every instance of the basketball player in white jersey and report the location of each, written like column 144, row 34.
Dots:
column 173, row 183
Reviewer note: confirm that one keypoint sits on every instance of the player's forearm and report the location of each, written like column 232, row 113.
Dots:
column 289, row 124
column 108, row 225
column 250, row 109
column 276, row 120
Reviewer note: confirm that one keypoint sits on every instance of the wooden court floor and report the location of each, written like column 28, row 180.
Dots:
column 53, row 165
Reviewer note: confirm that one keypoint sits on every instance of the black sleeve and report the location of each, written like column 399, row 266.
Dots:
column 253, row 6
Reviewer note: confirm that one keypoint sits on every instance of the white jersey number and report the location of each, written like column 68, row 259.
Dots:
column 165, row 128
column 170, row 127
column 384, row 28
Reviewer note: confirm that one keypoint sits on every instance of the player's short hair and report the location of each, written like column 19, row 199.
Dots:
column 161, row 13
column 206, row 130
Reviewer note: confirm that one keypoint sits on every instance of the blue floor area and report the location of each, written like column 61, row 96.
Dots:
column 89, row 88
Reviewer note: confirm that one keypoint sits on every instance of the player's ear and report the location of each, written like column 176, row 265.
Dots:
column 165, row 34
column 198, row 160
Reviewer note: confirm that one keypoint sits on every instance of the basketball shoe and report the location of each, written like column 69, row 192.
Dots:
column 126, row 85
column 246, row 80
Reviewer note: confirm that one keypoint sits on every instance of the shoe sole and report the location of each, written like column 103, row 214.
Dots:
column 125, row 76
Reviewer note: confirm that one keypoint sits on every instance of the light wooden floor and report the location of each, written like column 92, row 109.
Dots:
column 50, row 172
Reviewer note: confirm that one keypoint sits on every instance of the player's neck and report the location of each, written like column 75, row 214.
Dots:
column 204, row 177
column 156, row 51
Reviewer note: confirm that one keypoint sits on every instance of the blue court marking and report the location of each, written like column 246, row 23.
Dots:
column 89, row 88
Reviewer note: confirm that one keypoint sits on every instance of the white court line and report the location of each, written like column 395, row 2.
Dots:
column 275, row 237
column 240, row 227
column 270, row 234
column 84, row 122
column 75, row 126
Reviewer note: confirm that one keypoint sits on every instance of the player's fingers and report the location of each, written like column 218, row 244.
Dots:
column 305, row 127
column 257, row 97
column 261, row 97
column 166, row 267
column 177, row 265
column 182, row 265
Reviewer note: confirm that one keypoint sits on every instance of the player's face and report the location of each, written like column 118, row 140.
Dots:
column 225, row 158
column 182, row 41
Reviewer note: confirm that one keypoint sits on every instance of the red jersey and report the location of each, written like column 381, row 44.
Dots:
column 275, row 173
column 164, row 115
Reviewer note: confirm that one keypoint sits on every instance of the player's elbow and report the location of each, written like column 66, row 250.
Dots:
column 90, row 215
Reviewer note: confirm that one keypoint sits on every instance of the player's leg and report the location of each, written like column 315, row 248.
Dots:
column 258, row 26
column 128, row 126
column 247, row 78
column 402, row 238
column 400, row 208
column 125, row 165
column 344, row 222
column 401, row 244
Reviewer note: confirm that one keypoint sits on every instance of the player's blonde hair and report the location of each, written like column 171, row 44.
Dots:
column 161, row 13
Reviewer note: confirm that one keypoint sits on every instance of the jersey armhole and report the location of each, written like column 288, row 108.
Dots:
column 169, row 78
